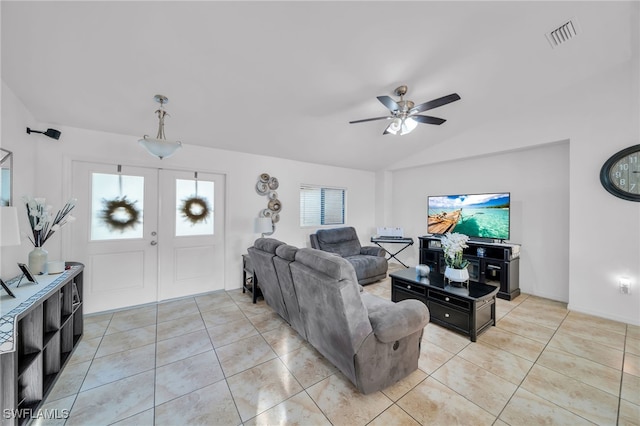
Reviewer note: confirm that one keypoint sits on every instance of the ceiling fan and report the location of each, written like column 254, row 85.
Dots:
column 404, row 114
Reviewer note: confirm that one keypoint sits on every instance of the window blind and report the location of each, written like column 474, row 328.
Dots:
column 321, row 206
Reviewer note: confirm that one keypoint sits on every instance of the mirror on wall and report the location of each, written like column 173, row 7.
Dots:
column 6, row 177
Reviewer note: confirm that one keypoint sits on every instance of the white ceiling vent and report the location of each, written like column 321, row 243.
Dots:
column 563, row 33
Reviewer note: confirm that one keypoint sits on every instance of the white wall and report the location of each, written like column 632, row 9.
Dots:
column 15, row 120
column 538, row 181
column 47, row 174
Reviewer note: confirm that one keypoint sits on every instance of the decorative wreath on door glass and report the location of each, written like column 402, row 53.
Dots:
column 120, row 214
column 267, row 186
column 195, row 209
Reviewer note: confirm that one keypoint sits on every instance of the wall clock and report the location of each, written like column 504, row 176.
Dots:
column 620, row 174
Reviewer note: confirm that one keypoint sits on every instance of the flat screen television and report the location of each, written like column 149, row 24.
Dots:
column 484, row 216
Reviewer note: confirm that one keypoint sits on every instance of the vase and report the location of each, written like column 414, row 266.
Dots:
column 38, row 260
column 456, row 276
column 422, row 270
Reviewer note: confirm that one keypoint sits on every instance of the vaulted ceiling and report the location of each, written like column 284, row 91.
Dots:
column 285, row 78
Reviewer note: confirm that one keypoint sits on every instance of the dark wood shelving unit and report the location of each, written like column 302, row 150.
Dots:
column 496, row 264
column 48, row 325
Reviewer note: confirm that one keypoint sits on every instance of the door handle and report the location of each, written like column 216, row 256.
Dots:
column 153, row 243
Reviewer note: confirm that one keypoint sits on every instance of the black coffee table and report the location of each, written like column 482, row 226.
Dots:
column 467, row 310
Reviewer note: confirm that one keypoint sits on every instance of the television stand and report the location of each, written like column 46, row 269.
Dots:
column 491, row 263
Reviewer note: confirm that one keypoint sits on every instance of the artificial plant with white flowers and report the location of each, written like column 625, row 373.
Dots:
column 453, row 245
column 43, row 223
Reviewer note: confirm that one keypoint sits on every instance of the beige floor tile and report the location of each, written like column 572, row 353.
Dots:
column 119, row 365
column 501, row 363
column 181, row 347
column 94, row 329
column 525, row 328
column 210, row 302
column 275, row 382
column 631, row 364
column 222, row 315
column 437, row 335
column 432, row 403
column 597, row 322
column 394, row 416
column 57, row 412
column 586, row 401
column 98, row 317
column 539, row 314
column 527, row 409
column 252, row 309
column 180, row 326
column 283, row 339
column 632, row 346
column 187, row 375
column 432, row 357
column 584, row 370
column 266, row 322
column 69, row 381
column 630, row 388
column 141, row 419
column 168, row 311
column 584, row 329
column 132, row 318
column 114, row 401
column 307, row 365
column 585, row 348
column 514, row 343
column 400, row 388
column 230, row 332
column 244, row 354
column 210, row 405
column 85, row 351
column 341, row 402
column 297, row 410
column 125, row 340
column 629, row 414
column 479, row 386
column 633, row 331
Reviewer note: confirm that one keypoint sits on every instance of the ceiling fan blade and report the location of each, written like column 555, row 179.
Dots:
column 369, row 119
column 434, row 103
column 427, row 119
column 389, row 103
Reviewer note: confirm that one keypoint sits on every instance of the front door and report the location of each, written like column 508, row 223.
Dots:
column 143, row 235
column 190, row 246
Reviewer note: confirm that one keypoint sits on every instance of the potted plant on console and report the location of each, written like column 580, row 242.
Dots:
column 453, row 245
column 43, row 225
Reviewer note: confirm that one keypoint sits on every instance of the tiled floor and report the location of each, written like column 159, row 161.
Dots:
column 219, row 359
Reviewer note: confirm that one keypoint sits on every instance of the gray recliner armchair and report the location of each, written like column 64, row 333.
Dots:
column 369, row 262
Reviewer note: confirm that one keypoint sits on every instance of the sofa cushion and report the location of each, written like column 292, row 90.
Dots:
column 287, row 252
column 267, row 244
column 334, row 266
column 342, row 241
column 368, row 266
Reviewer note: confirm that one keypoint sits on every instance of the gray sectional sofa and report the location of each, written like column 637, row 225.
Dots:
column 374, row 342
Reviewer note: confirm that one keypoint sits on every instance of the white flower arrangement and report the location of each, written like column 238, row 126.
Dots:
column 453, row 245
column 43, row 223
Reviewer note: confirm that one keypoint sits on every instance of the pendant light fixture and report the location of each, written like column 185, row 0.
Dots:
column 160, row 146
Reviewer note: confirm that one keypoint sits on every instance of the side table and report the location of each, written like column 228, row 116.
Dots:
column 249, row 278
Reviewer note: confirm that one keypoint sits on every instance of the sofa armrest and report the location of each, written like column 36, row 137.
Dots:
column 394, row 321
column 373, row 251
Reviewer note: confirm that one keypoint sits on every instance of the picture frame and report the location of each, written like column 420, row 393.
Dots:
column 6, row 288
column 26, row 273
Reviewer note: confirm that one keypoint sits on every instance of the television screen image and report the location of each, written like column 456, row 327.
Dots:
column 475, row 215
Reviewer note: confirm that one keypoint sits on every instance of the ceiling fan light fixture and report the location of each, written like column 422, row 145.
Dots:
column 159, row 146
column 401, row 126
